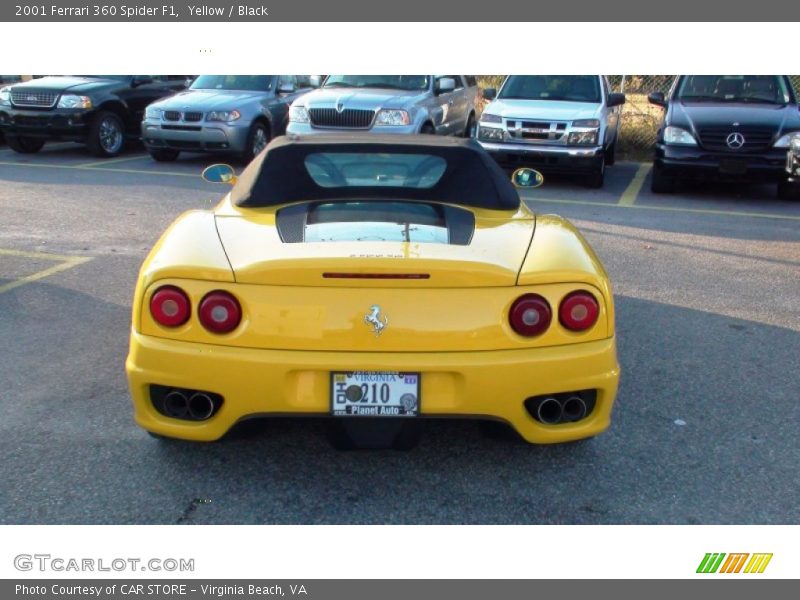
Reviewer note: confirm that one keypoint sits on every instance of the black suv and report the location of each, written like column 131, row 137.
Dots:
column 98, row 110
column 731, row 127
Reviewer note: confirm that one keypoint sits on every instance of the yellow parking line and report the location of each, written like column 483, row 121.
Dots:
column 631, row 193
column 701, row 211
column 65, row 263
column 104, row 170
column 109, row 161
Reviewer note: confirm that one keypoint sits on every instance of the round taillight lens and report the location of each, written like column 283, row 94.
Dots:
column 578, row 311
column 530, row 315
column 170, row 306
column 220, row 312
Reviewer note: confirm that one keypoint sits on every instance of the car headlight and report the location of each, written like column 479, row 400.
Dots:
column 786, row 140
column 73, row 101
column 392, row 117
column 582, row 138
column 490, row 133
column 298, row 114
column 795, row 144
column 226, row 116
column 151, row 112
column 487, row 118
column 678, row 137
column 5, row 96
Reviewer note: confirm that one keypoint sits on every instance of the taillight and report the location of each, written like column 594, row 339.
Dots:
column 529, row 315
column 578, row 311
column 170, row 306
column 219, row 312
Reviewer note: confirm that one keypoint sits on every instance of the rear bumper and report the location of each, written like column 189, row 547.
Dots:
column 219, row 137
column 567, row 159
column 57, row 124
column 697, row 163
column 255, row 382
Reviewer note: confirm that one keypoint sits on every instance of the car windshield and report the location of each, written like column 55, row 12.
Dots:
column 393, row 82
column 569, row 88
column 249, row 83
column 362, row 169
column 764, row 89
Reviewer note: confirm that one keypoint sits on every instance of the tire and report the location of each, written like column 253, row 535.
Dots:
column 106, row 135
column 597, row 177
column 164, row 155
column 660, row 183
column 257, row 139
column 365, row 433
column 611, row 154
column 789, row 190
column 469, row 132
column 427, row 129
column 24, row 145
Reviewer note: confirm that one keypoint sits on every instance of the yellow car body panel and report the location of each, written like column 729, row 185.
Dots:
column 298, row 326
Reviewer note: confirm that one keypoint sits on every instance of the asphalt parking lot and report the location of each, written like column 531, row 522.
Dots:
column 707, row 284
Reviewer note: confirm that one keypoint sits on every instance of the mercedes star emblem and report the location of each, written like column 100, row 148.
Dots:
column 735, row 140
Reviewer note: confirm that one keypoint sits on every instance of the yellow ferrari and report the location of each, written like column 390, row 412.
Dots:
column 375, row 281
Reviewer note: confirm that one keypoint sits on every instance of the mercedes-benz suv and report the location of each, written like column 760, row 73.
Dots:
column 730, row 127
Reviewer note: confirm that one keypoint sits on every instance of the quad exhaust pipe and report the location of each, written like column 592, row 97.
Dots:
column 567, row 407
column 201, row 407
column 549, row 411
column 574, row 409
column 196, row 406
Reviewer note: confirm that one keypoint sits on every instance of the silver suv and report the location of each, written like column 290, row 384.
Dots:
column 556, row 123
column 238, row 114
column 441, row 104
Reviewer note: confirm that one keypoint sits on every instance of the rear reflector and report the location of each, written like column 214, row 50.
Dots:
column 170, row 306
column 219, row 312
column 578, row 311
column 376, row 275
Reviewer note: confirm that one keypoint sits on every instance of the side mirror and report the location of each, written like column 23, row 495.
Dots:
column 141, row 80
column 657, row 98
column 315, row 81
column 615, row 99
column 490, row 94
column 220, row 174
column 445, row 84
column 527, row 178
column 286, row 88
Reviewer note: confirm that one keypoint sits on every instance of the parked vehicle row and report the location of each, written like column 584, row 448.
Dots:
column 738, row 127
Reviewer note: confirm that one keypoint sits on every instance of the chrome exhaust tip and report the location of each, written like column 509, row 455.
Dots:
column 549, row 411
column 200, row 406
column 176, row 405
column 574, row 409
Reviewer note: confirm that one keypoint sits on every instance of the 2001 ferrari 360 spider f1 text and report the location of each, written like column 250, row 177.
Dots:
column 373, row 280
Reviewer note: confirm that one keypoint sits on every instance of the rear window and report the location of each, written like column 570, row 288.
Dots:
column 367, row 169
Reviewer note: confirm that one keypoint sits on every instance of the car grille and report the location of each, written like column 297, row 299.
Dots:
column 29, row 121
column 349, row 118
column 755, row 138
column 535, row 131
column 189, row 117
column 31, row 98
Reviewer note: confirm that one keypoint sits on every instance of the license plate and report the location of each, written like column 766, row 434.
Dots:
column 732, row 167
column 374, row 394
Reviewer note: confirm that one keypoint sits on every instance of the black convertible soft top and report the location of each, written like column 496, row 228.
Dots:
column 279, row 174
